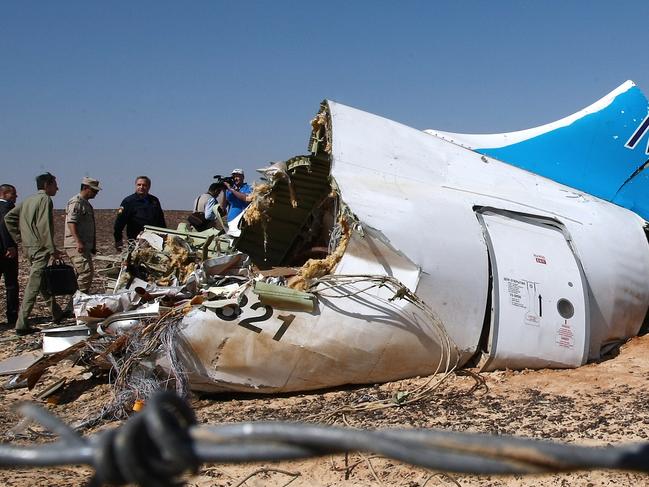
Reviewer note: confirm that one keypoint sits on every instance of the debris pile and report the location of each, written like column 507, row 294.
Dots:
column 288, row 298
column 132, row 332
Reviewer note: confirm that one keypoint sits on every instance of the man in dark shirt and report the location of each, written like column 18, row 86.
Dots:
column 8, row 253
column 137, row 210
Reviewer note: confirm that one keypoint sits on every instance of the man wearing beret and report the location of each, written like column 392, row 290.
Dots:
column 80, row 240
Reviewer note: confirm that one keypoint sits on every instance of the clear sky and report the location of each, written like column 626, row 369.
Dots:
column 181, row 91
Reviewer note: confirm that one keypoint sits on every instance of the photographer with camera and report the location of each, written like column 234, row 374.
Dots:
column 237, row 194
column 205, row 214
column 201, row 201
column 213, row 206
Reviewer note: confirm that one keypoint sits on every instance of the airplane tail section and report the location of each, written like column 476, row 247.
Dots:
column 602, row 149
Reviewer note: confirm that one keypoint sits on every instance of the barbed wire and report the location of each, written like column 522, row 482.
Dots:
column 160, row 445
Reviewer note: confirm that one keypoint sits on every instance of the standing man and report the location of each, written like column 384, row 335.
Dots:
column 9, row 253
column 236, row 195
column 31, row 223
column 137, row 210
column 80, row 241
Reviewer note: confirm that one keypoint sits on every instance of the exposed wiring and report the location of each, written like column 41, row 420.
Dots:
column 340, row 284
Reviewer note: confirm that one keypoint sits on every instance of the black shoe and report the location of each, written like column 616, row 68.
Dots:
column 21, row 332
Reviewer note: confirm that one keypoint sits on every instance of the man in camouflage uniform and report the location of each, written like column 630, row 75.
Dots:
column 31, row 224
column 80, row 239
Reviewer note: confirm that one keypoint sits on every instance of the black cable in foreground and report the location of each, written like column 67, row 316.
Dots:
column 162, row 444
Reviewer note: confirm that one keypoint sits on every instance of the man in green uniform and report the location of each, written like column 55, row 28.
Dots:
column 31, row 224
column 80, row 240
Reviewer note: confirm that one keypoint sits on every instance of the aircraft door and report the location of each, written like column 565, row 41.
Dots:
column 539, row 297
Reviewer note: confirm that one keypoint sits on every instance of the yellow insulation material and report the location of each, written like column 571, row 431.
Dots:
column 261, row 200
column 322, row 121
column 180, row 263
column 314, row 268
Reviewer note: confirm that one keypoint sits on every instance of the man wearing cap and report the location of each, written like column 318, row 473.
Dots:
column 80, row 239
column 237, row 195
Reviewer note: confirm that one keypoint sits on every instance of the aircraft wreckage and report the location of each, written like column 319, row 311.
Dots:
column 388, row 252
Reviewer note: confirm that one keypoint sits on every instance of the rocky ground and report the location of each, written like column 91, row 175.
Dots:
column 598, row 404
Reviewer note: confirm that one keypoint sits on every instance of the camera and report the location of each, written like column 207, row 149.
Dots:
column 220, row 180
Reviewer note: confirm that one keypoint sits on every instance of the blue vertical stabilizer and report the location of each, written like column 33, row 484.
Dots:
column 601, row 150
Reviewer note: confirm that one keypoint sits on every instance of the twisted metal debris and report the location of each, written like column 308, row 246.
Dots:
column 162, row 443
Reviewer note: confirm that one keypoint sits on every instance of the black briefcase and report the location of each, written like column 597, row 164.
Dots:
column 59, row 279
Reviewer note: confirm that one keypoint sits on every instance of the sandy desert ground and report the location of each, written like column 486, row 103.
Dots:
column 598, row 404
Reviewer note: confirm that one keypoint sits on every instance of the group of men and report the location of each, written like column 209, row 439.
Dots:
column 224, row 198
column 30, row 223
